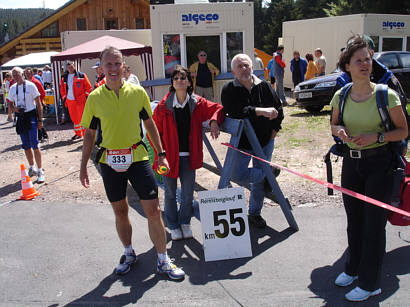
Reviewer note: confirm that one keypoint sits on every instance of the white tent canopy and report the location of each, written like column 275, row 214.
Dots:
column 30, row 60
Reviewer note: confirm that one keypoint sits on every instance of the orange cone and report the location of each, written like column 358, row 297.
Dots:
column 28, row 190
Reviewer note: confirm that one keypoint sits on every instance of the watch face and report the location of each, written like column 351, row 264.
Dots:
column 381, row 138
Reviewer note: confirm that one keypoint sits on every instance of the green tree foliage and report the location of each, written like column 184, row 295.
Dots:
column 19, row 20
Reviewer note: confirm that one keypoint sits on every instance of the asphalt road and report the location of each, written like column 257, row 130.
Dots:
column 63, row 254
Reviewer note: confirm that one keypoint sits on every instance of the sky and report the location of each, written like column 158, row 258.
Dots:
column 15, row 4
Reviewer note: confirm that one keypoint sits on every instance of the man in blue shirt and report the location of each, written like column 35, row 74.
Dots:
column 271, row 72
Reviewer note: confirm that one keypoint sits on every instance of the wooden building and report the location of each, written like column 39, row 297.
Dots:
column 77, row 15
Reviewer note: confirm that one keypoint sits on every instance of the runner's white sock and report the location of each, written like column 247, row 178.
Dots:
column 128, row 250
column 40, row 169
column 162, row 257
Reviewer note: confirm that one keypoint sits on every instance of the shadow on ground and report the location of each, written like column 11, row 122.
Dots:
column 190, row 257
column 396, row 263
column 307, row 114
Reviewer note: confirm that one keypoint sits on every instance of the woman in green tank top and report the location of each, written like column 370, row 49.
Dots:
column 367, row 169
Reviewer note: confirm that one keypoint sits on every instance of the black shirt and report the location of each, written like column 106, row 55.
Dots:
column 238, row 102
column 204, row 76
column 183, row 119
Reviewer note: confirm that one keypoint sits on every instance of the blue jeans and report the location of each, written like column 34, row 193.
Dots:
column 175, row 217
column 255, row 175
column 280, row 90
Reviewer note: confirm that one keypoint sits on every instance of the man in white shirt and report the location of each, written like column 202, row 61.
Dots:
column 320, row 62
column 25, row 102
column 47, row 77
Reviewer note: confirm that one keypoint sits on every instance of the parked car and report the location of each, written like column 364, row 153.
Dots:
column 315, row 93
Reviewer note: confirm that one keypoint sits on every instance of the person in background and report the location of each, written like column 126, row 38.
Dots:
column 25, row 102
column 279, row 72
column 320, row 62
column 249, row 97
column 28, row 74
column 367, row 169
column 298, row 68
column 130, row 77
column 37, row 75
column 179, row 117
column 74, row 90
column 203, row 75
column 258, row 62
column 47, row 77
column 311, row 70
column 100, row 77
column 8, row 81
column 121, row 108
column 271, row 71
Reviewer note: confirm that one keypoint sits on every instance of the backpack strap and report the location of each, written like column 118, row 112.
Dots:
column 383, row 106
column 342, row 99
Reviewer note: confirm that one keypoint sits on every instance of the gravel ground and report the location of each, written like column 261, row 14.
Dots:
column 298, row 147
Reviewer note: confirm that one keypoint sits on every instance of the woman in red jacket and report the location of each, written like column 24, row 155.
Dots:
column 179, row 117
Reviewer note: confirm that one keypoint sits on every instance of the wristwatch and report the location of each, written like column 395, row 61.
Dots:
column 380, row 137
column 162, row 154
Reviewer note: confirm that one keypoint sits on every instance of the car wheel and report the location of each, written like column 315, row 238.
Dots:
column 314, row 109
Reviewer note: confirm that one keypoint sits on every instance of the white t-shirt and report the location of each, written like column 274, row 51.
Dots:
column 47, row 76
column 21, row 100
column 133, row 79
column 70, row 84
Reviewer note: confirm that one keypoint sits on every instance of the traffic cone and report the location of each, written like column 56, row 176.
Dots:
column 28, row 190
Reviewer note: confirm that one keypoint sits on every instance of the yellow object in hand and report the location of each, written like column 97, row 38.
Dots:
column 162, row 170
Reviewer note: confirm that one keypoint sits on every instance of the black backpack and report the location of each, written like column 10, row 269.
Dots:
column 383, row 108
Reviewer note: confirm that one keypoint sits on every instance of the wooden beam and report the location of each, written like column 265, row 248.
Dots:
column 42, row 25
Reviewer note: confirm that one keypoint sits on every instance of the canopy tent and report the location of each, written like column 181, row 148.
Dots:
column 38, row 60
column 92, row 50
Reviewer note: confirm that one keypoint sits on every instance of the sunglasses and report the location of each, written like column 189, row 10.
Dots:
column 179, row 78
column 202, row 55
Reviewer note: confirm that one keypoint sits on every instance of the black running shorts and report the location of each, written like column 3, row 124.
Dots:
column 140, row 176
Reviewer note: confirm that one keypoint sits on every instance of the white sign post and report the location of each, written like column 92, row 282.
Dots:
column 225, row 230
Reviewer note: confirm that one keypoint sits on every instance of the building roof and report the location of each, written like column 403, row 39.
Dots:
column 93, row 48
column 38, row 59
column 42, row 24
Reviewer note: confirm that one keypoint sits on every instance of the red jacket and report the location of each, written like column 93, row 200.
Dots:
column 81, row 87
column 40, row 88
column 201, row 110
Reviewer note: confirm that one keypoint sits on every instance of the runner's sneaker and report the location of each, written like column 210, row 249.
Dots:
column 40, row 176
column 125, row 263
column 167, row 267
column 32, row 171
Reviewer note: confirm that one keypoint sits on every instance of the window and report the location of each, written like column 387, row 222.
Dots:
column 408, row 43
column 234, row 45
column 111, row 23
column 139, row 23
column 405, row 59
column 390, row 60
column 392, row 44
column 210, row 44
column 81, row 24
column 51, row 31
column 172, row 52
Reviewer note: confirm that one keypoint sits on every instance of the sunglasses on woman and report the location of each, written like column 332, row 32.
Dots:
column 179, row 78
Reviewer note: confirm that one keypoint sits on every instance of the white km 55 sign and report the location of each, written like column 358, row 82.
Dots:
column 225, row 230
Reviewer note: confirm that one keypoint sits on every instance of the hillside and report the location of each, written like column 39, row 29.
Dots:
column 18, row 20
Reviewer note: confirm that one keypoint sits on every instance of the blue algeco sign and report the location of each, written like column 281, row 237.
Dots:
column 197, row 18
column 393, row 25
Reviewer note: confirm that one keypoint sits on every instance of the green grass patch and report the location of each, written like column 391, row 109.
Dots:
column 294, row 142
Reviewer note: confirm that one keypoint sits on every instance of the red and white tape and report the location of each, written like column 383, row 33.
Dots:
column 327, row 184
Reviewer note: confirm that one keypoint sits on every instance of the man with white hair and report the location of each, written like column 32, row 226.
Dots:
column 25, row 102
column 249, row 97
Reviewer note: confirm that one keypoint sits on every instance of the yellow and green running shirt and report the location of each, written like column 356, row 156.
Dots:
column 120, row 117
column 363, row 117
